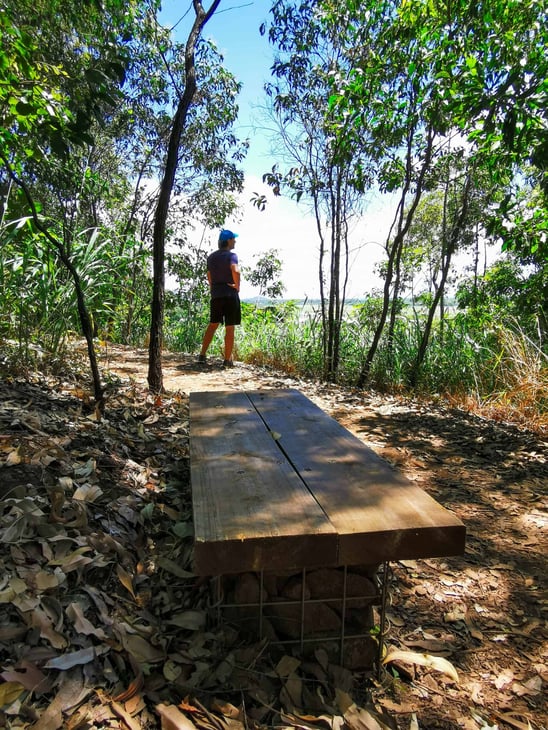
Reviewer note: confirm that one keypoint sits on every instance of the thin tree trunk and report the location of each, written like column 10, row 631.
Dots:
column 395, row 297
column 344, row 233
column 321, row 278
column 85, row 319
column 155, row 377
column 456, row 232
column 333, row 279
column 403, row 226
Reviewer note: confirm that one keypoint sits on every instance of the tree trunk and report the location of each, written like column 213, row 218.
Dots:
column 456, row 231
column 404, row 224
column 394, row 304
column 85, row 319
column 155, row 378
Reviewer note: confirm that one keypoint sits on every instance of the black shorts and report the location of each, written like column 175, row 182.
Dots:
column 225, row 310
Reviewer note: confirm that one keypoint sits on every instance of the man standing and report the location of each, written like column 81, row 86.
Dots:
column 223, row 274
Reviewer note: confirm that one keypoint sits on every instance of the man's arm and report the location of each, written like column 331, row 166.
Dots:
column 235, row 276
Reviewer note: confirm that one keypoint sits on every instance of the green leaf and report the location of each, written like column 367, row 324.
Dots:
column 148, row 511
column 183, row 529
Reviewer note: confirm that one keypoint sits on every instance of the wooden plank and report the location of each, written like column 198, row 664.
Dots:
column 251, row 510
column 378, row 514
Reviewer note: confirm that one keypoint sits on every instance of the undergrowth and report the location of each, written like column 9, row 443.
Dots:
column 497, row 372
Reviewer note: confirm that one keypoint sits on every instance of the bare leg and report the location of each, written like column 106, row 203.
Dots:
column 208, row 336
column 229, row 341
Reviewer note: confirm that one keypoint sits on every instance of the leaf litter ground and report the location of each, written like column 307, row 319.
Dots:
column 103, row 625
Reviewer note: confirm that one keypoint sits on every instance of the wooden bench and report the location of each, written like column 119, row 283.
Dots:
column 279, row 485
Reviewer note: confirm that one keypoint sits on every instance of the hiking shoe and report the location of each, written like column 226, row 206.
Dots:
column 228, row 364
column 202, row 358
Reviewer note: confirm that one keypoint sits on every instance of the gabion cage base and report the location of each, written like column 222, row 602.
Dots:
column 342, row 610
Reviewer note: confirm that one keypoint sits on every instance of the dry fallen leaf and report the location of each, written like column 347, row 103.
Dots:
column 171, row 670
column 291, row 693
column 9, row 692
column 343, row 700
column 74, row 560
column 81, row 623
column 130, row 722
column 46, row 581
column 118, row 532
column 75, row 658
column 505, row 678
column 532, row 687
column 125, row 579
column 287, row 665
column 425, row 660
column 27, row 674
column 173, row 719
column 361, row 718
column 512, row 719
column 226, row 708
column 14, row 457
column 142, row 651
column 307, row 722
column 42, row 621
column 15, row 587
column 172, row 567
column 192, row 620
column 87, row 492
column 135, row 686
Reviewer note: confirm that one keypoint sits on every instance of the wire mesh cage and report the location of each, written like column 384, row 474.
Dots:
column 340, row 609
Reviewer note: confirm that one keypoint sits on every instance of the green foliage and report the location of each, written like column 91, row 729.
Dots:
column 459, row 69
column 281, row 336
column 37, row 294
column 440, row 101
column 60, row 70
column 507, row 293
column 320, row 170
column 368, row 312
column 208, row 168
column 468, row 360
column 464, row 360
column 266, row 274
column 30, row 89
column 99, row 88
column 523, row 223
column 185, row 324
column 187, row 306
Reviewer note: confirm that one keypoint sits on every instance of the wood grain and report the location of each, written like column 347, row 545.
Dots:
column 251, row 509
column 278, row 484
column 377, row 512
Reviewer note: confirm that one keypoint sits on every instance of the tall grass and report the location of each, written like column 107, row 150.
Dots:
column 517, row 387
column 185, row 327
column 285, row 337
column 495, row 368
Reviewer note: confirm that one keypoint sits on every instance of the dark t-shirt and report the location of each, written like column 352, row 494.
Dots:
column 218, row 264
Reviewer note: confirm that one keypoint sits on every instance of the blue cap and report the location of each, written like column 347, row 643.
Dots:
column 226, row 235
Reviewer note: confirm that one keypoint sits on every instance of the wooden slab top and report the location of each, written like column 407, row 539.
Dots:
column 377, row 512
column 251, row 509
column 279, row 484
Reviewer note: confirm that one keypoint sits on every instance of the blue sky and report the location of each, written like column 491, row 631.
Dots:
column 283, row 225
column 235, row 30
